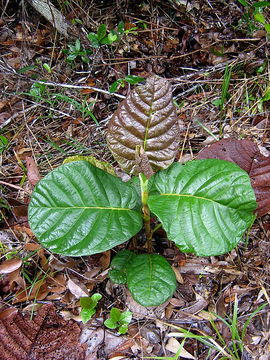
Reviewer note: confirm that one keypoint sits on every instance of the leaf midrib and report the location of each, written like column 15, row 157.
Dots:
column 189, row 195
column 82, row 207
column 198, row 197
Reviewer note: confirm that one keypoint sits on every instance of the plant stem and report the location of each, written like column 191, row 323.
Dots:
column 146, row 211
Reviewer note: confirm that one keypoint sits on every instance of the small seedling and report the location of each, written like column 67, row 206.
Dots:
column 122, row 31
column 89, row 304
column 47, row 68
column 220, row 102
column 37, row 91
column 77, row 52
column 254, row 15
column 3, row 143
column 101, row 37
column 119, row 320
column 130, row 79
column 105, row 37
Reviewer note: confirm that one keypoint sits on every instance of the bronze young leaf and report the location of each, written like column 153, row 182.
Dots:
column 146, row 118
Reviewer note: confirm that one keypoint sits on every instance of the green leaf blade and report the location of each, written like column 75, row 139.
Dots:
column 78, row 209
column 101, row 33
column 115, row 314
column 150, row 279
column 125, row 317
column 86, row 314
column 119, row 266
column 110, row 324
column 205, row 207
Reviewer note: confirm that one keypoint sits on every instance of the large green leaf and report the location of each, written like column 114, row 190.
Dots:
column 92, row 160
column 78, row 209
column 205, row 205
column 119, row 263
column 146, row 118
column 150, row 279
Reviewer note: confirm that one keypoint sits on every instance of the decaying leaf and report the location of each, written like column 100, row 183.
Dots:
column 173, row 345
column 245, row 154
column 77, row 289
column 32, row 171
column 10, row 265
column 146, row 118
column 46, row 337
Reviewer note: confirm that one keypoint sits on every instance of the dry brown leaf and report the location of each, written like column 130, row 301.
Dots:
column 32, row 171
column 8, row 313
column 173, row 345
column 178, row 276
column 46, row 337
column 38, row 292
column 8, row 266
column 15, row 278
column 247, row 155
column 77, row 289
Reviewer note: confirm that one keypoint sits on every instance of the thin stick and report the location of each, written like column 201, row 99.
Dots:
column 5, row 123
column 49, row 83
column 14, row 186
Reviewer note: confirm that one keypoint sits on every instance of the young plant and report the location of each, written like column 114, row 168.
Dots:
column 255, row 14
column 119, row 320
column 129, row 79
column 89, row 305
column 77, row 52
column 205, row 206
column 3, row 143
column 232, row 349
column 101, row 37
column 220, row 102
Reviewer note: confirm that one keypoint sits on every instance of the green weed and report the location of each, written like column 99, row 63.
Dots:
column 76, row 52
column 89, row 304
column 129, row 79
column 105, row 37
column 254, row 15
column 119, row 320
column 232, row 349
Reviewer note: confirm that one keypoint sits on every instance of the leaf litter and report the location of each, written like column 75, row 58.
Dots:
column 190, row 44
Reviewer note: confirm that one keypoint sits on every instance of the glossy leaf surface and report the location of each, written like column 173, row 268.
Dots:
column 92, row 160
column 204, row 206
column 118, row 272
column 146, row 118
column 150, row 279
column 78, row 209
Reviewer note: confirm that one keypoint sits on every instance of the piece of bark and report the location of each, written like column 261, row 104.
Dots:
column 55, row 17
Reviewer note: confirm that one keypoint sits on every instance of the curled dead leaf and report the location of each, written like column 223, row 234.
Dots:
column 8, row 266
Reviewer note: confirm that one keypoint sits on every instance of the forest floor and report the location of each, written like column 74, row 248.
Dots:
column 58, row 93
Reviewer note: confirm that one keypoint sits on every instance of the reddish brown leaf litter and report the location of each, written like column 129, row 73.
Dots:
column 247, row 155
column 46, row 337
column 32, row 171
column 10, row 265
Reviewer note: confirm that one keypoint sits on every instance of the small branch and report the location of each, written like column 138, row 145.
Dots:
column 79, row 87
column 15, row 187
column 5, row 123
